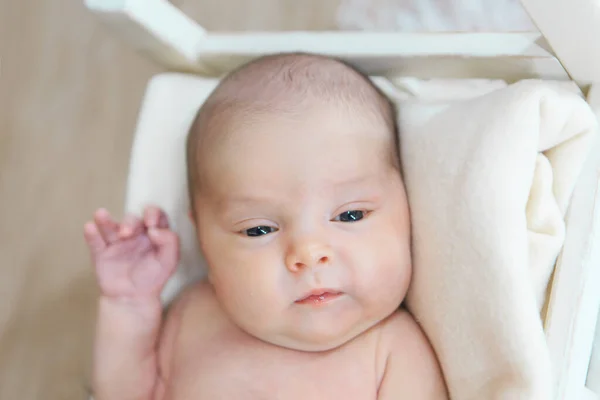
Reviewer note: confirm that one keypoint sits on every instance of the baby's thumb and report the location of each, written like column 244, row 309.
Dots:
column 167, row 245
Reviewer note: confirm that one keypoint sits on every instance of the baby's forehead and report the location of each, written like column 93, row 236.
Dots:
column 308, row 130
column 315, row 152
column 281, row 89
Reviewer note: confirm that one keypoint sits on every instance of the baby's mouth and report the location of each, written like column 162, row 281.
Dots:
column 319, row 296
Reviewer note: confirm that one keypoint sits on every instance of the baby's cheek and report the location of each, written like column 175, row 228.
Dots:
column 251, row 288
column 388, row 269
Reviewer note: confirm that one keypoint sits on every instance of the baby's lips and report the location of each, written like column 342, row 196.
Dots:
column 319, row 296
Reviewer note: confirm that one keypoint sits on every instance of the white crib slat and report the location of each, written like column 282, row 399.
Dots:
column 572, row 28
column 154, row 27
column 509, row 56
column 162, row 31
column 575, row 296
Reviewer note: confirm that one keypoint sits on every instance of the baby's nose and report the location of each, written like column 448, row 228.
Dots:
column 308, row 254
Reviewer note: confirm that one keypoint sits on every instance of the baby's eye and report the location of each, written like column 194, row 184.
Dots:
column 350, row 216
column 259, row 231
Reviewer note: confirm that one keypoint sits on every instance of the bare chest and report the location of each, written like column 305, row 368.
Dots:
column 231, row 367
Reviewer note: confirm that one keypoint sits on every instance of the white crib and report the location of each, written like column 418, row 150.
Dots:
column 565, row 48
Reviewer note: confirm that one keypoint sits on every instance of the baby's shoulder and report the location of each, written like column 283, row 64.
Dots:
column 196, row 293
column 400, row 322
column 411, row 365
column 195, row 305
column 397, row 333
column 185, row 321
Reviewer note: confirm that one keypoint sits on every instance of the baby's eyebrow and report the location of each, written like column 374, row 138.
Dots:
column 237, row 206
column 354, row 181
column 237, row 200
column 260, row 197
column 362, row 181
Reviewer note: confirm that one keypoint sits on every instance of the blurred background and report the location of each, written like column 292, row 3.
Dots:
column 69, row 97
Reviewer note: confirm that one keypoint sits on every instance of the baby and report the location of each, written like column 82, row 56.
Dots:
column 301, row 213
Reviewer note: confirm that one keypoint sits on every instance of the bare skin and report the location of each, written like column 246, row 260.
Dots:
column 305, row 227
column 219, row 361
column 140, row 355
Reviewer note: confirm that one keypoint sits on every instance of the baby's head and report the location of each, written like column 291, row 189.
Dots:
column 298, row 201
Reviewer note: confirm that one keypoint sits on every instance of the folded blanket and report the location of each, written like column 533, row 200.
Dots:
column 489, row 182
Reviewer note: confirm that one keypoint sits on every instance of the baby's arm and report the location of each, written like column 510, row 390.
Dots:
column 133, row 261
column 411, row 370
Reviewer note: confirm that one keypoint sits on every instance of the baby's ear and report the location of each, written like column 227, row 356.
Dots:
column 191, row 217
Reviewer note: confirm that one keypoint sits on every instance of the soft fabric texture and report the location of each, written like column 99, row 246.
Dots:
column 489, row 173
column 489, row 181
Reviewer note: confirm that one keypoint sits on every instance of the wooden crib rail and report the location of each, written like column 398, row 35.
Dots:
column 167, row 35
column 572, row 28
column 154, row 27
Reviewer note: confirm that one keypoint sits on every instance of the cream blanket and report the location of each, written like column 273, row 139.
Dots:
column 489, row 181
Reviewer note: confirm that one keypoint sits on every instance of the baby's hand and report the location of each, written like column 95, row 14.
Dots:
column 133, row 259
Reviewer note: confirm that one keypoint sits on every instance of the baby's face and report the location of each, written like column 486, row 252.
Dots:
column 305, row 227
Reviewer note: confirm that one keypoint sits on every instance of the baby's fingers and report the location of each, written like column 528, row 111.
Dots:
column 167, row 247
column 155, row 217
column 93, row 238
column 131, row 226
column 107, row 227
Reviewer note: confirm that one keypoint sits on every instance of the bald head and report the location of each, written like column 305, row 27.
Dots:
column 283, row 85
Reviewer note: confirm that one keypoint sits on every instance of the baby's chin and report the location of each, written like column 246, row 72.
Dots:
column 304, row 328
column 322, row 343
column 318, row 339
